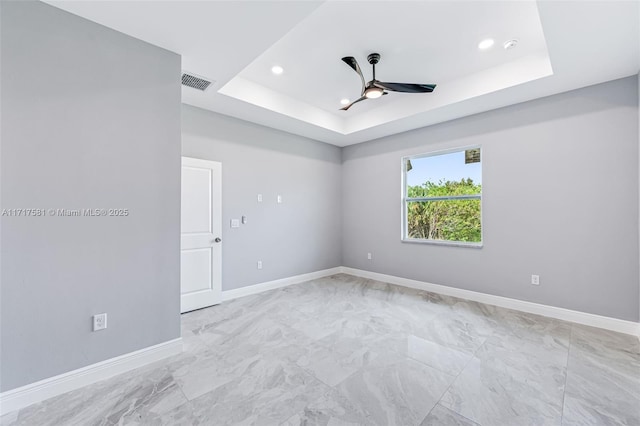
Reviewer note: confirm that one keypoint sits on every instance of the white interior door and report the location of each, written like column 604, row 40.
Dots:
column 201, row 232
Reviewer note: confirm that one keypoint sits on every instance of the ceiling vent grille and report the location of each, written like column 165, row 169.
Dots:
column 195, row 82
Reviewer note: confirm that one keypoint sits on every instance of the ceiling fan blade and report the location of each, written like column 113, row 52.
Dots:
column 405, row 87
column 351, row 61
column 362, row 98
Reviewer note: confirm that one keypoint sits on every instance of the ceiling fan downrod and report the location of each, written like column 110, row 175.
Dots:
column 373, row 59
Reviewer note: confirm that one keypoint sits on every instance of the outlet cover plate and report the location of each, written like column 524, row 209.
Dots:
column 99, row 322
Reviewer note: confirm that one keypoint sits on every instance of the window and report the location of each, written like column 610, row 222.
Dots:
column 442, row 197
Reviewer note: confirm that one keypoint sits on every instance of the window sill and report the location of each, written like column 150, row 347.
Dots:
column 443, row 243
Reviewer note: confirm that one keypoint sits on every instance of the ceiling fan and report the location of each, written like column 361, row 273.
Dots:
column 374, row 89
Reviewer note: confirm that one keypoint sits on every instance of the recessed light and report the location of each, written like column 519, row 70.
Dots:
column 485, row 44
column 344, row 101
column 277, row 69
column 510, row 44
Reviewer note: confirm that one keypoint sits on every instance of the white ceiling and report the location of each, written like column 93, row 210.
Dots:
column 562, row 46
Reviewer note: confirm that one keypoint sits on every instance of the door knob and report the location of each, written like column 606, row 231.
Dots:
column 217, row 240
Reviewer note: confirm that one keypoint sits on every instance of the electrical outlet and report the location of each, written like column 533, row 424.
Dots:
column 535, row 279
column 99, row 322
column 369, row 256
column 259, row 264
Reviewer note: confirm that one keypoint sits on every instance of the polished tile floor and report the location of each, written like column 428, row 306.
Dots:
column 348, row 351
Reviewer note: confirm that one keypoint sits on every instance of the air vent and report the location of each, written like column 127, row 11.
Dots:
column 195, row 82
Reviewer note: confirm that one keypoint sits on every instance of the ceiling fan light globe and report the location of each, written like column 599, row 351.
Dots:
column 373, row 93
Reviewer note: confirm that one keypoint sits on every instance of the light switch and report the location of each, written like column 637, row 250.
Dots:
column 279, row 199
column 259, row 198
column 235, row 223
column 244, row 220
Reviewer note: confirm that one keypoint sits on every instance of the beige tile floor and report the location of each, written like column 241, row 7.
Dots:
column 349, row 351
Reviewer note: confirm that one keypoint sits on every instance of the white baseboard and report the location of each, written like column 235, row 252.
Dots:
column 608, row 323
column 284, row 282
column 23, row 396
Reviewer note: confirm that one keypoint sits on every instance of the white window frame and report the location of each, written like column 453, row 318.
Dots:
column 405, row 200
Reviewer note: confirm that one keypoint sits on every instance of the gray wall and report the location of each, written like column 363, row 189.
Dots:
column 303, row 234
column 91, row 119
column 560, row 199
